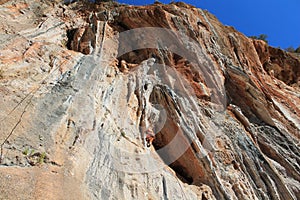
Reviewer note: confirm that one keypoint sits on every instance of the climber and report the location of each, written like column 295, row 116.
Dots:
column 125, row 66
column 150, row 136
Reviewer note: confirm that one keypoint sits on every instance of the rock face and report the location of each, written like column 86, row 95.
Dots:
column 80, row 85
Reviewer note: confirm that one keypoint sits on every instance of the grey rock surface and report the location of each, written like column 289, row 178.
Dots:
column 78, row 94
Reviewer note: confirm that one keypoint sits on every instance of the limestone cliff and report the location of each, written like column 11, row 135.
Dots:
column 80, row 85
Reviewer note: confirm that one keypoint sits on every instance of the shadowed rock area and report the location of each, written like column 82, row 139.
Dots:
column 81, row 84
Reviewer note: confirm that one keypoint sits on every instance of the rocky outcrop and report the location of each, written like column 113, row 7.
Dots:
column 80, row 85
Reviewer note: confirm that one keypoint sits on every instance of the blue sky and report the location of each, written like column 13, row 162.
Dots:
column 278, row 19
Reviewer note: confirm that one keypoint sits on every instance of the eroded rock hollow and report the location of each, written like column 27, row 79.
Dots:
column 82, row 84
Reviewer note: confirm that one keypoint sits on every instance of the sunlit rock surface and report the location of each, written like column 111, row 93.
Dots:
column 78, row 92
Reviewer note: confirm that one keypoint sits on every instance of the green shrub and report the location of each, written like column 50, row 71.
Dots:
column 42, row 158
column 293, row 50
column 290, row 49
column 26, row 152
column 260, row 37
